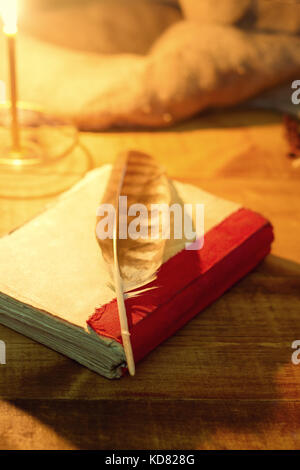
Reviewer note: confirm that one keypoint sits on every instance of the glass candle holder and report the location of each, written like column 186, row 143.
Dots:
column 48, row 158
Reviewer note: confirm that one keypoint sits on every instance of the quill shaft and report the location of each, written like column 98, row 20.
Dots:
column 120, row 294
column 124, row 324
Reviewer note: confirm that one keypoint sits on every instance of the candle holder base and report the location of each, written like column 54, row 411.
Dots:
column 49, row 159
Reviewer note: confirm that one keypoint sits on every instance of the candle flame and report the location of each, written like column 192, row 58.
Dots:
column 9, row 14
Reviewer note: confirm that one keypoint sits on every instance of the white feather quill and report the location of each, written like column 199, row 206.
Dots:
column 133, row 263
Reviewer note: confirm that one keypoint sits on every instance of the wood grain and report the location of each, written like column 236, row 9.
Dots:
column 226, row 380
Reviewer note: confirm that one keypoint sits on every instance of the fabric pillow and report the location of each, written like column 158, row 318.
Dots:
column 190, row 67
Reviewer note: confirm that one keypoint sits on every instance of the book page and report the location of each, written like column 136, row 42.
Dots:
column 54, row 262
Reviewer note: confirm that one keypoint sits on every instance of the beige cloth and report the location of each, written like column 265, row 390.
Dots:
column 139, row 63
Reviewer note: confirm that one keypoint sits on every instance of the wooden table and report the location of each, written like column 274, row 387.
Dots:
column 226, row 380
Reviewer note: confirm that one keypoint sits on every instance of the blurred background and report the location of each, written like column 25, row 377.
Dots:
column 154, row 62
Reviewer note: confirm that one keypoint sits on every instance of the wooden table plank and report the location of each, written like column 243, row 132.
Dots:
column 179, row 424
column 226, row 380
column 240, row 347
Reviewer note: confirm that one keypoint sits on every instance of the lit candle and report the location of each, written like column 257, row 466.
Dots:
column 9, row 13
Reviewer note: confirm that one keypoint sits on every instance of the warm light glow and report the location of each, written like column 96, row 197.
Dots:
column 2, row 92
column 9, row 14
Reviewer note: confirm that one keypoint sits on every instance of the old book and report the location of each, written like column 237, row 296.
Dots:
column 54, row 284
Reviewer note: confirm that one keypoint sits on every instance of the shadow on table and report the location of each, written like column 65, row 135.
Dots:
column 235, row 117
column 219, row 383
